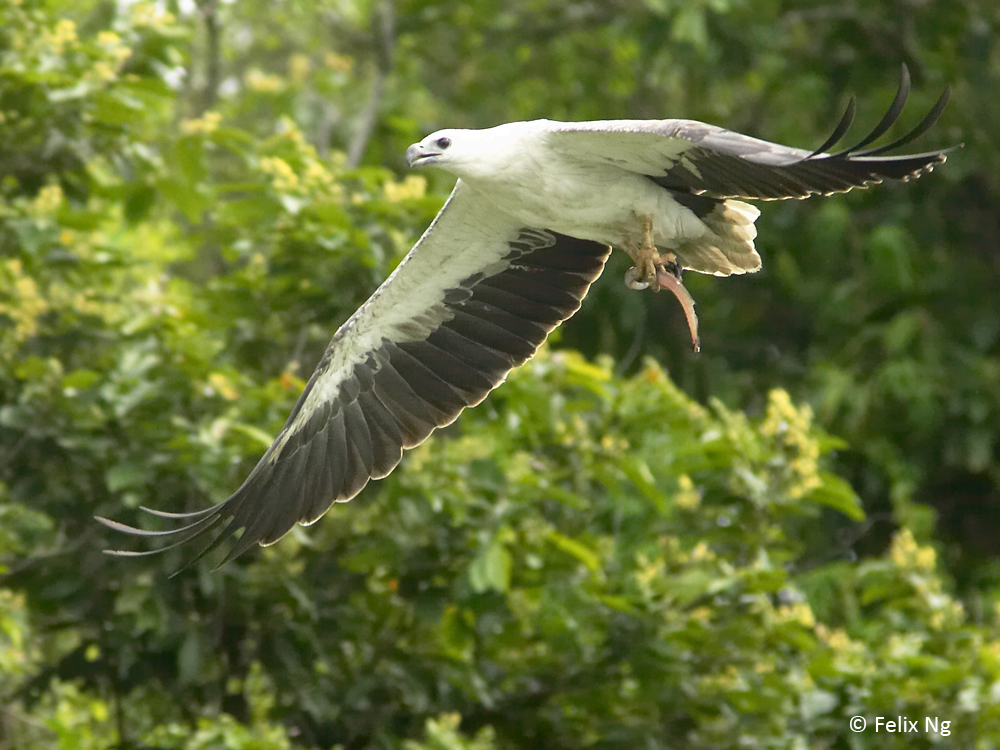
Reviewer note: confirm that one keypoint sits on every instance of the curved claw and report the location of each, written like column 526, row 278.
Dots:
column 634, row 280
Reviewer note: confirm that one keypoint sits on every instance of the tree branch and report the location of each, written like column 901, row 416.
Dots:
column 213, row 54
column 383, row 67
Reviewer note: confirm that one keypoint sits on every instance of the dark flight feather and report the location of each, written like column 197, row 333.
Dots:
column 401, row 393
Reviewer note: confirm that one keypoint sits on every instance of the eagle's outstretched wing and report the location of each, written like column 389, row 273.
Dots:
column 474, row 298
column 708, row 163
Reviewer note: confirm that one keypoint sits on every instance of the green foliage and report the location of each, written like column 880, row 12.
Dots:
column 589, row 558
column 443, row 734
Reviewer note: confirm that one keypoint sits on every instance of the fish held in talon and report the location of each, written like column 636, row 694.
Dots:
column 668, row 279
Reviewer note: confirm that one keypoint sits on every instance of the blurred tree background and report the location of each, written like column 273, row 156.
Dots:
column 627, row 545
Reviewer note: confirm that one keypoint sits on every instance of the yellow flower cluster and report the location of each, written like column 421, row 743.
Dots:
column 647, row 571
column 847, row 655
column 835, row 638
column 107, row 70
column 728, row 680
column 298, row 67
column 317, row 175
column 702, row 552
column 764, row 667
column 701, row 614
column 82, row 303
column 790, row 427
column 264, row 82
column 290, row 131
column 920, row 564
column 62, row 35
column 799, row 612
column 223, row 386
column 614, row 445
column 204, row 125
column 311, row 174
column 338, row 63
column 149, row 14
column 47, row 201
column 573, row 432
column 22, row 302
column 687, row 496
column 949, row 615
column 909, row 555
column 284, row 177
column 102, row 72
column 414, row 186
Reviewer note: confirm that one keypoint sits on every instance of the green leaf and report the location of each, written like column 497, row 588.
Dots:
column 261, row 437
column 126, row 476
column 367, row 555
column 189, row 154
column 814, row 703
column 116, row 108
column 890, row 249
column 582, row 373
column 619, row 603
column 331, row 214
column 564, row 496
column 576, row 549
column 138, row 200
column 80, row 379
column 456, row 634
column 191, row 201
column 83, row 219
column 234, row 139
column 639, row 474
column 491, row 569
column 695, row 583
column 838, row 494
column 254, row 208
column 189, row 658
column 690, row 25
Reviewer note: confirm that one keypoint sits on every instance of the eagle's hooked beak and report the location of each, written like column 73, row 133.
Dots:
column 418, row 154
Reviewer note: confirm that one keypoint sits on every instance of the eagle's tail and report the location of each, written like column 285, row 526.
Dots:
column 728, row 247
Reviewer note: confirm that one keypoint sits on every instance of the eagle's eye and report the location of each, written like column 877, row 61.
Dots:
column 443, row 143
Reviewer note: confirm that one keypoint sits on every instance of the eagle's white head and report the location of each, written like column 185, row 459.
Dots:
column 441, row 148
column 472, row 154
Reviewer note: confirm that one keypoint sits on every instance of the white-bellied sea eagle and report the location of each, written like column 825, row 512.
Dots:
column 525, row 232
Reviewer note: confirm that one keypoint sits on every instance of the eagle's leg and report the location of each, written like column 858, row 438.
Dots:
column 661, row 272
column 647, row 259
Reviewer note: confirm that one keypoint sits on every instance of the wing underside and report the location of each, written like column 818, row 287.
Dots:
column 388, row 380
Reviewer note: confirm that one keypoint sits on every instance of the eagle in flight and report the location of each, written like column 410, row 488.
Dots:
column 525, row 232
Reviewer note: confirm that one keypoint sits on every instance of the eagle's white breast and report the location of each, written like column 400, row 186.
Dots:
column 540, row 186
